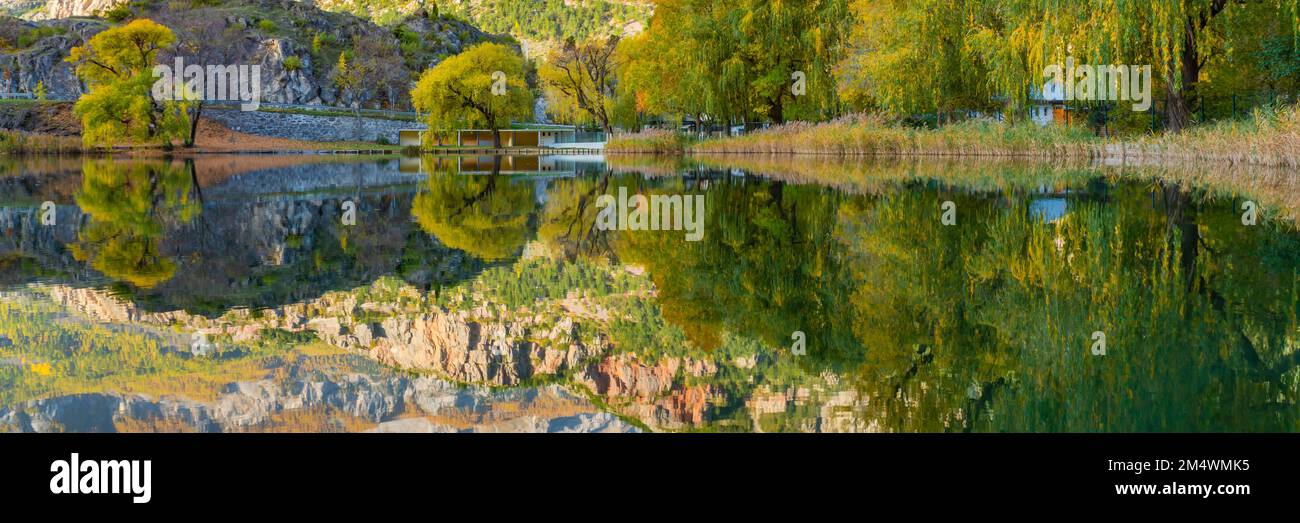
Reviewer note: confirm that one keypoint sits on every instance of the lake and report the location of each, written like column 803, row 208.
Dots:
column 480, row 294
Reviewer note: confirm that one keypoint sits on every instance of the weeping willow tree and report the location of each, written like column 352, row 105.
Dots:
column 773, row 268
column 661, row 67
column 568, row 219
column 729, row 61
column 484, row 85
column 927, row 56
column 1177, row 37
column 987, row 324
column 932, row 55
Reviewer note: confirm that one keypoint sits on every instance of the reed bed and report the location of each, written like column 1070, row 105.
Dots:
column 872, row 135
column 17, row 142
column 649, row 141
column 1269, row 137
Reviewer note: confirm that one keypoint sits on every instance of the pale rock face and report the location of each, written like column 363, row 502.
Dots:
column 69, row 8
column 455, row 347
column 44, row 63
column 281, row 85
column 472, row 352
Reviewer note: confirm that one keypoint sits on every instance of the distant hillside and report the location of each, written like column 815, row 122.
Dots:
column 553, row 19
column 538, row 23
column 21, row 8
column 296, row 44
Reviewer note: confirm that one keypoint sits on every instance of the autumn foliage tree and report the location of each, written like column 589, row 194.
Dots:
column 582, row 76
column 932, row 56
column 728, row 61
column 117, row 66
column 483, row 86
column 488, row 217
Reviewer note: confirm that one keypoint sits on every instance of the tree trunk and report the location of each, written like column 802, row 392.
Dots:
column 1178, row 97
column 194, row 124
column 1179, row 102
column 776, row 112
column 356, row 129
column 496, row 138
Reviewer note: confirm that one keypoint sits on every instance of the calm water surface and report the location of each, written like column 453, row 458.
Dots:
column 479, row 294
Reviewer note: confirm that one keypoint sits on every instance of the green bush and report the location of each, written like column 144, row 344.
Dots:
column 116, row 14
column 35, row 35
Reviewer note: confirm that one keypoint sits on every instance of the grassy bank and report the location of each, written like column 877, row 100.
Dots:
column 867, row 135
column 650, row 141
column 1268, row 137
column 17, row 142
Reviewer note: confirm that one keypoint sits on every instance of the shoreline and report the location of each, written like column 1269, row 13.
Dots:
column 1269, row 139
column 1128, row 156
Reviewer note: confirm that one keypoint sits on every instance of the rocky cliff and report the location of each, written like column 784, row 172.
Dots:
column 21, row 69
column 71, row 8
column 295, row 43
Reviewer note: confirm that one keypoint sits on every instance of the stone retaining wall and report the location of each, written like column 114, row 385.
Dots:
column 309, row 127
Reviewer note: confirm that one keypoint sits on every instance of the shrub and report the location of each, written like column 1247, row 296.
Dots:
column 35, row 35
column 117, row 14
column 657, row 141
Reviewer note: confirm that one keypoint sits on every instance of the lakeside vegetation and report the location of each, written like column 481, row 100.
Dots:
column 1269, row 137
column 846, row 77
column 18, row 142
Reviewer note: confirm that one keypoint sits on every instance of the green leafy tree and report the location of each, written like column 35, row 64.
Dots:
column 116, row 65
column 729, row 61
column 485, row 85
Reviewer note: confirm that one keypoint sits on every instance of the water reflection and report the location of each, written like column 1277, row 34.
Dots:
column 129, row 206
column 486, row 216
column 910, row 324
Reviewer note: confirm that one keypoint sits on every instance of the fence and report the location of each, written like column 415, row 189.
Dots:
column 374, row 113
column 1201, row 109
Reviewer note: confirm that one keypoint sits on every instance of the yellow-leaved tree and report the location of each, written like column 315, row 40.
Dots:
column 117, row 66
column 484, row 86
